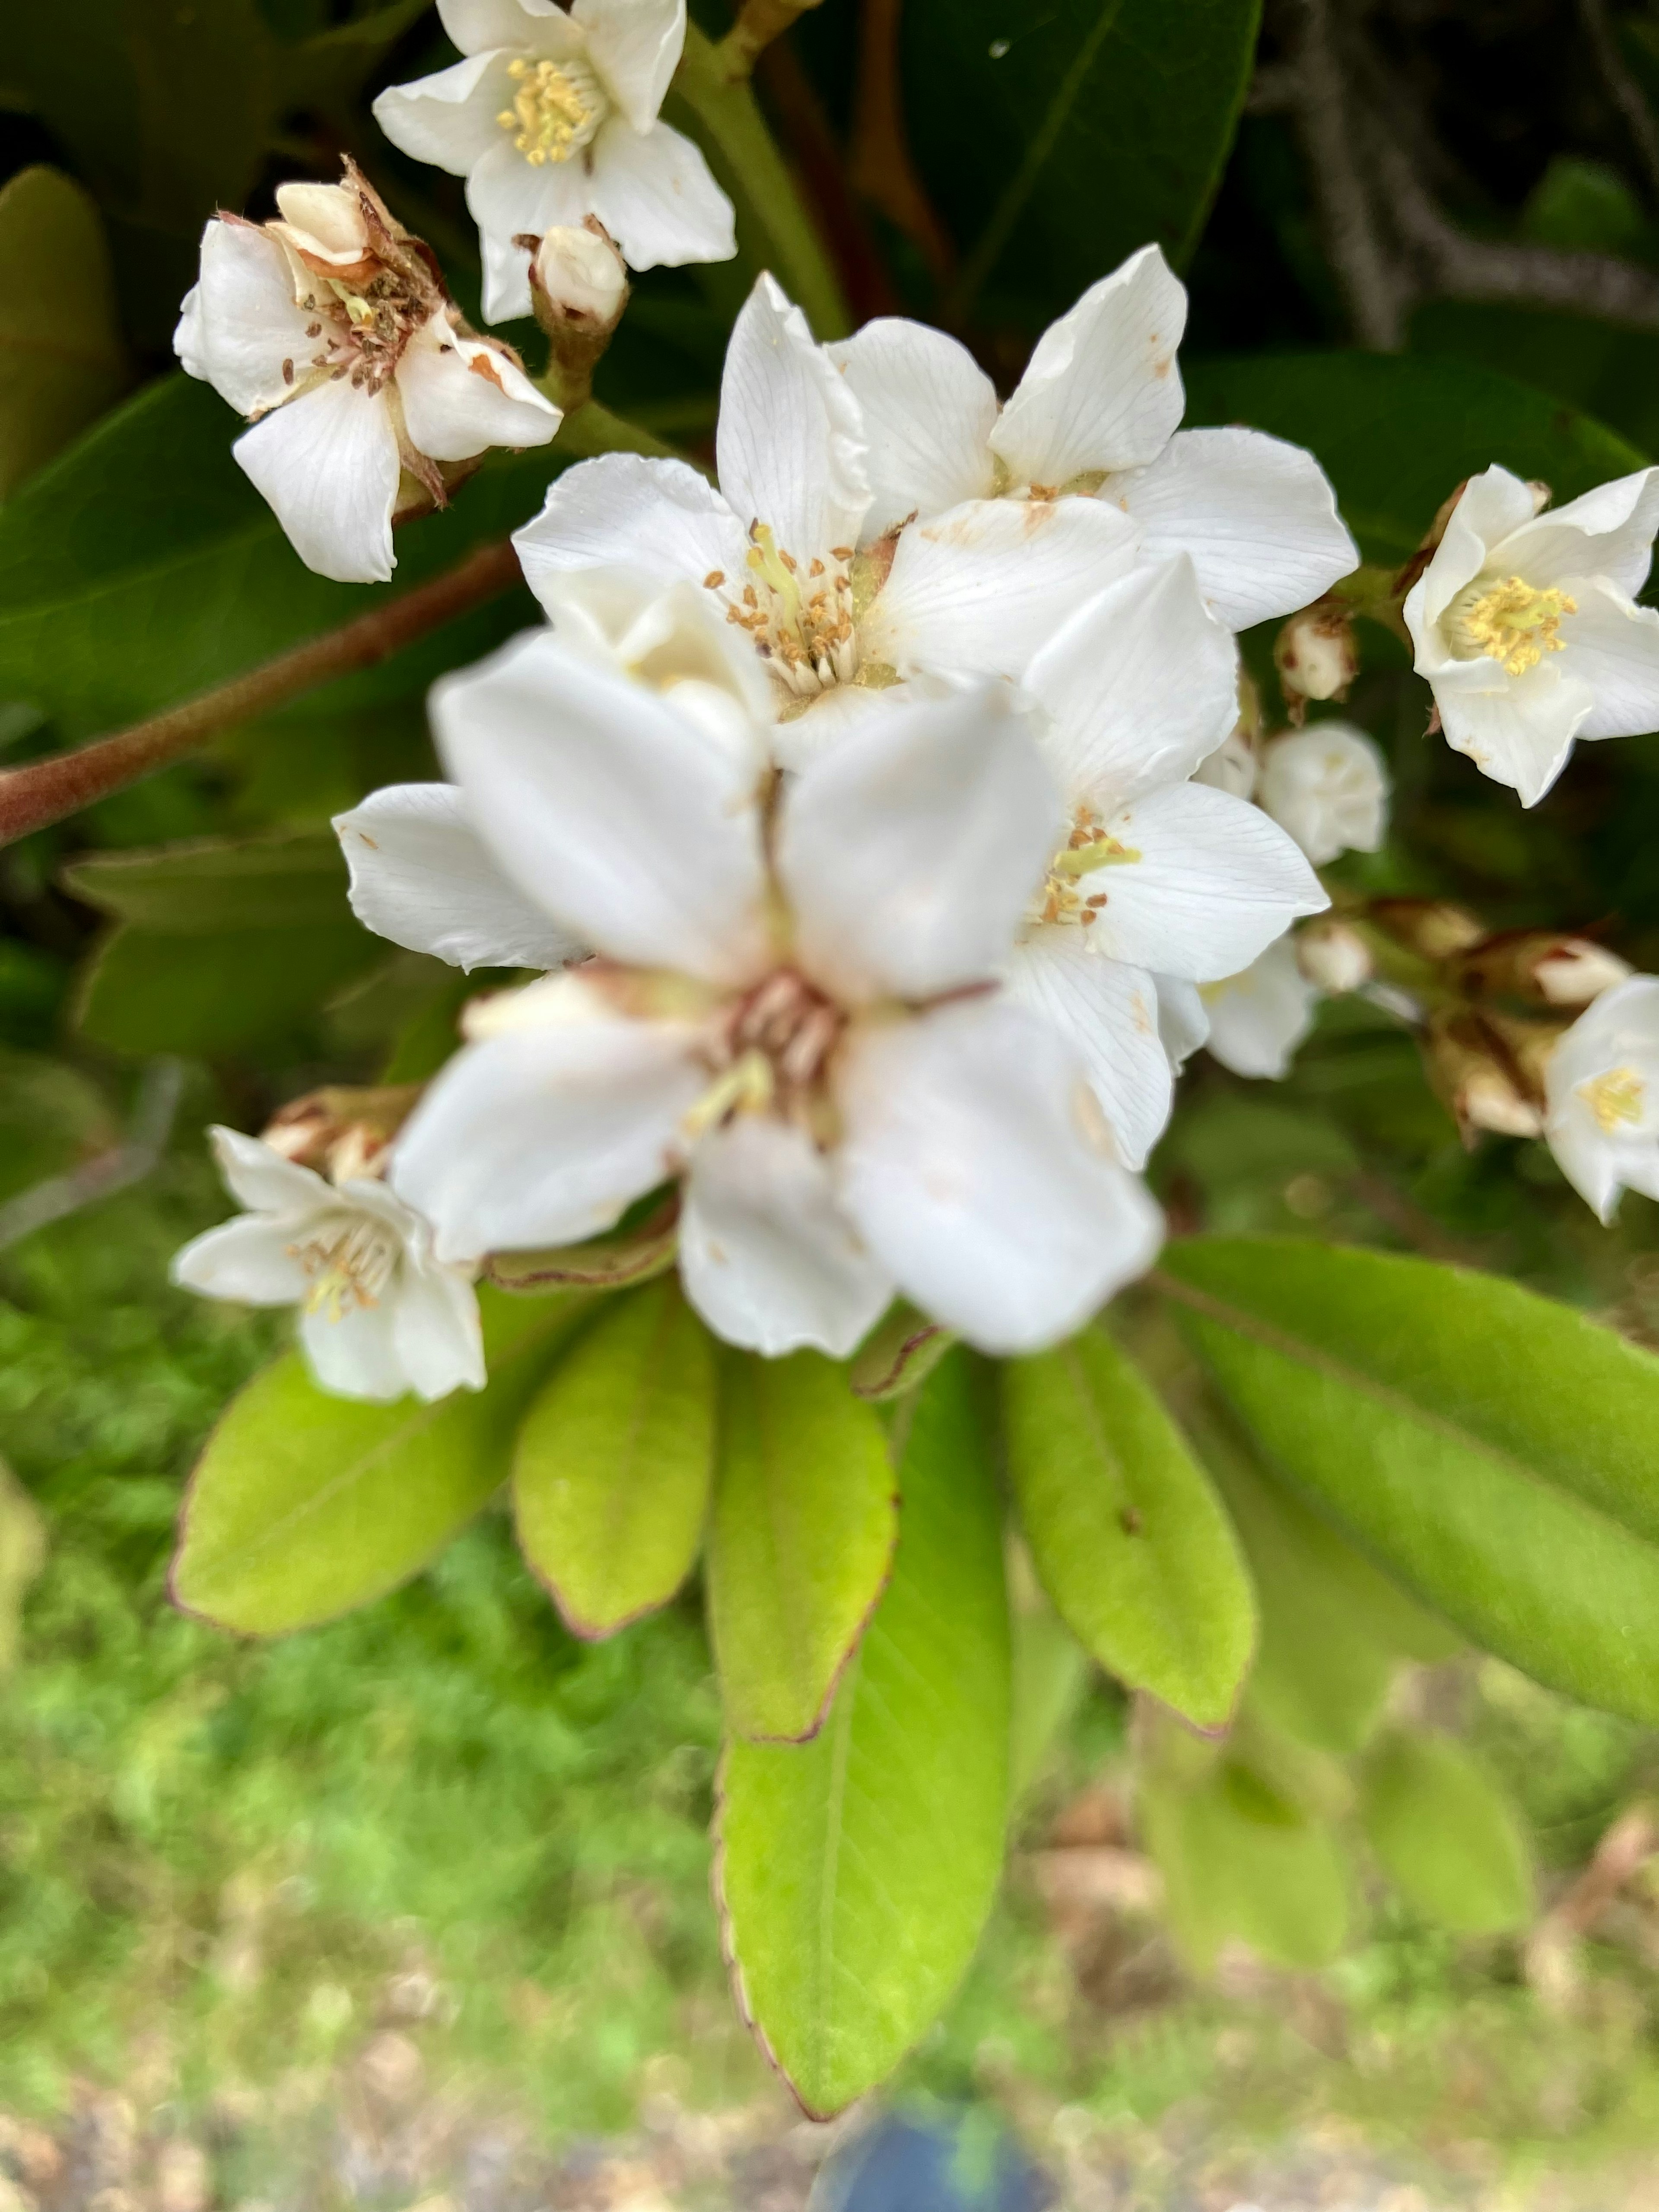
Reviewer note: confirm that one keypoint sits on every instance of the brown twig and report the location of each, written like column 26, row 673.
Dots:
column 1622, row 88
column 46, row 791
column 880, row 160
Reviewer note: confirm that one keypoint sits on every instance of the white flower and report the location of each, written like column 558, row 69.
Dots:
column 1097, row 411
column 1329, row 787
column 972, row 592
column 1527, row 628
column 1602, row 1097
column 1233, row 766
column 380, row 1313
column 328, row 329
column 1257, row 1019
column 1155, row 874
column 580, row 275
column 551, row 118
column 792, row 1008
column 422, row 876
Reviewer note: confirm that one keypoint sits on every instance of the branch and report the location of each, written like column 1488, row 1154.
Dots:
column 759, row 21
column 1625, row 92
column 1376, row 290
column 47, row 790
column 130, row 1162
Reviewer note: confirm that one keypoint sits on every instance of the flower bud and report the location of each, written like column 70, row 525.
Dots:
column 1328, row 786
column 1334, row 957
column 1482, row 1078
column 1573, row 971
column 1232, row 766
column 1539, row 965
column 1432, row 928
column 342, row 1132
column 578, row 276
column 1316, row 656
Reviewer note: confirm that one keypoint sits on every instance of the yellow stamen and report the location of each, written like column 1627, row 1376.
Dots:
column 745, row 1087
column 1087, row 848
column 1514, row 622
column 1614, row 1097
column 556, row 111
column 347, row 1272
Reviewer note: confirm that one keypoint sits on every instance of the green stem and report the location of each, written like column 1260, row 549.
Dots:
column 714, row 85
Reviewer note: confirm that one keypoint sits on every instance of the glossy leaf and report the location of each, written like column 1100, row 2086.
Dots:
column 1445, row 1835
column 200, row 996
column 1496, row 1451
column 1397, row 433
column 899, row 1354
column 800, row 1540
column 303, row 1506
column 142, row 566
column 62, row 361
column 612, row 1467
column 1125, row 108
column 215, row 884
column 1238, row 1860
column 1125, row 1533
column 855, row 1873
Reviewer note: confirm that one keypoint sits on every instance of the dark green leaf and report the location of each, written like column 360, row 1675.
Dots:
column 277, row 883
column 327, row 69
column 1498, row 1452
column 855, row 1872
column 200, row 996
column 612, row 1471
column 1445, row 1835
column 1397, row 433
column 303, row 1506
column 62, row 362
column 1125, row 1533
column 1056, row 140
column 800, row 1542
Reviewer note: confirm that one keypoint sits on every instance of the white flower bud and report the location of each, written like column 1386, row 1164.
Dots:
column 1316, row 655
column 1328, row 787
column 1231, row 767
column 1334, row 956
column 580, row 276
column 1575, row 971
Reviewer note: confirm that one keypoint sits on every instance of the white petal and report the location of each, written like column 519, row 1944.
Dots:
column 1258, row 1019
column 1521, row 731
column 656, row 521
column 355, row 1355
column 449, row 118
column 422, row 877
column 799, row 741
column 1102, row 391
column 911, row 850
column 506, row 195
column 247, row 1260
column 1141, row 686
column 259, row 1178
column 1109, row 1014
column 240, row 323
column 1588, row 1161
column 654, row 193
column 328, row 464
column 767, row 1256
column 608, row 809
column 543, row 1135
column 790, row 442
column 673, row 638
column 436, row 1333
column 533, row 26
column 979, row 591
column 460, row 397
column 1214, row 884
column 1231, row 767
column 1183, row 1020
column 928, row 409
column 1258, row 517
column 1494, row 506
column 1613, row 646
column 1606, row 533
column 1328, row 787
column 967, row 1165
column 635, row 45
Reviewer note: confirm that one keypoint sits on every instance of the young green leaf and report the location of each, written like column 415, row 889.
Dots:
column 1125, row 1533
column 855, row 1873
column 303, row 1506
column 899, row 1354
column 612, row 1467
column 1499, row 1452
column 603, row 1263
column 62, row 361
column 294, row 881
column 1238, row 1860
column 1445, row 1835
column 201, row 996
column 800, row 1542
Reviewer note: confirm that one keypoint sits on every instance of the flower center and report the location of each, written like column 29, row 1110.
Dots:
column 770, row 1054
column 1514, row 623
column 1062, row 898
column 801, row 621
column 346, row 1271
column 1616, row 1096
column 556, row 111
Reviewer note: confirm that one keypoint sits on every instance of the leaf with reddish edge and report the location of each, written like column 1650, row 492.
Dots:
column 899, row 1354
column 605, row 1263
column 612, row 1467
column 800, row 1542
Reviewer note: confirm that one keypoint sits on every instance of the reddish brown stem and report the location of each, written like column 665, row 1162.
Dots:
column 46, row 791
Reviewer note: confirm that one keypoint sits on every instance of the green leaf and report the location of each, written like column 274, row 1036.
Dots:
column 613, row 1465
column 62, row 362
column 303, row 1506
column 1238, row 1860
column 1125, row 1533
column 855, row 1873
column 327, row 70
column 51, row 1118
column 1122, row 108
column 1498, row 1452
column 800, row 1542
column 141, row 567
column 1397, row 433
column 290, row 882
column 899, row 1354
column 605, row 1263
column 1049, row 1672
column 23, row 1555
column 1446, row 1836
column 202, row 996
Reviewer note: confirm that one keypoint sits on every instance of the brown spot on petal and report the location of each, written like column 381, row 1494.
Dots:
column 482, row 364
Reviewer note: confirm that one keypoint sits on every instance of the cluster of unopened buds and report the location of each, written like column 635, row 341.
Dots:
column 881, row 820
